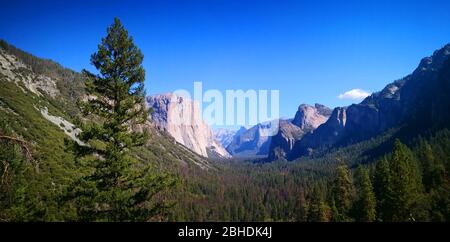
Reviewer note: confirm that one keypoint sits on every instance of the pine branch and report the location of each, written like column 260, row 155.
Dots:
column 25, row 146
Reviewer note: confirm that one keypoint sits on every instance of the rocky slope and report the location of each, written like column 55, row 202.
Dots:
column 180, row 117
column 408, row 101
column 307, row 119
column 38, row 104
column 252, row 142
column 224, row 136
column 16, row 71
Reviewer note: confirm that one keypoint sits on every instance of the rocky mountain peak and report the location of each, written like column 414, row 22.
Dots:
column 180, row 117
column 251, row 142
column 306, row 120
column 310, row 117
column 435, row 61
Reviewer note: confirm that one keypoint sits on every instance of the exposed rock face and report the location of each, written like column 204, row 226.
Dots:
column 284, row 140
column 66, row 126
column 310, row 117
column 180, row 117
column 307, row 119
column 224, row 136
column 16, row 71
column 252, row 142
column 325, row 134
column 408, row 100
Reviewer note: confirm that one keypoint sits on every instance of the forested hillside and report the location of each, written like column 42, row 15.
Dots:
column 65, row 160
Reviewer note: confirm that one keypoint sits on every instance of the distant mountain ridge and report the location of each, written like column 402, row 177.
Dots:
column 307, row 119
column 224, row 136
column 405, row 101
column 253, row 143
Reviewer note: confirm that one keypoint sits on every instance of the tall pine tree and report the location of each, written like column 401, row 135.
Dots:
column 301, row 208
column 433, row 169
column 342, row 194
column 318, row 210
column 116, row 186
column 365, row 205
column 406, row 184
column 383, row 190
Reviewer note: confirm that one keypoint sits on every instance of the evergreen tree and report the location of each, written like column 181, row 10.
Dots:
column 342, row 193
column 433, row 169
column 365, row 205
column 383, row 189
column 406, row 184
column 301, row 208
column 116, row 186
column 318, row 210
column 18, row 178
column 435, row 177
column 335, row 212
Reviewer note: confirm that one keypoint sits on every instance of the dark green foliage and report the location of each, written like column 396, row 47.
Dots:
column 406, row 184
column 318, row 209
column 383, row 189
column 21, row 118
column 399, row 188
column 310, row 185
column 433, row 169
column 41, row 198
column 365, row 204
column 15, row 169
column 410, row 184
column 342, row 194
column 116, row 187
column 434, row 157
column 237, row 191
column 301, row 208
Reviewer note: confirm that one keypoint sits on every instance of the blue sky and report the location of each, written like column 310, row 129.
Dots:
column 311, row 51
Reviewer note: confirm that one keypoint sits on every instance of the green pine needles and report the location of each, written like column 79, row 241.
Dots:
column 117, row 186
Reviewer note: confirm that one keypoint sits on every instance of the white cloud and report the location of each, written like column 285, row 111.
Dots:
column 354, row 94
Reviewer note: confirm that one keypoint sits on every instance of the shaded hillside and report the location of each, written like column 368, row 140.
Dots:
column 408, row 101
column 45, row 123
